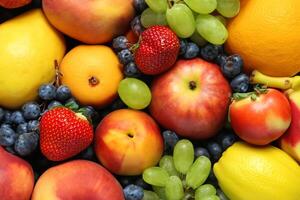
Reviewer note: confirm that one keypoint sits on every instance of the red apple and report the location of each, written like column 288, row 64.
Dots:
column 191, row 99
column 128, row 141
column 14, row 3
column 16, row 177
column 77, row 179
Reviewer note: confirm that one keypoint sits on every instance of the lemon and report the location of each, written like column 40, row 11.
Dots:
column 246, row 172
column 29, row 46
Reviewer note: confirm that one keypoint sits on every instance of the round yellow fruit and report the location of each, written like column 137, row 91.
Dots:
column 29, row 46
column 247, row 172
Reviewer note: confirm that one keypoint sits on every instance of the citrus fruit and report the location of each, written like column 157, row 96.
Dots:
column 93, row 73
column 246, row 172
column 29, row 47
column 266, row 34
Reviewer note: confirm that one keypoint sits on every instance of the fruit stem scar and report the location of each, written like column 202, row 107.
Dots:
column 93, row 81
column 192, row 85
column 130, row 135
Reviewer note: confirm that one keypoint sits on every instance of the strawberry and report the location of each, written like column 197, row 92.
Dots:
column 64, row 133
column 14, row 3
column 157, row 51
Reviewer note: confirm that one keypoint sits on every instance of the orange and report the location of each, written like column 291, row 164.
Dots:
column 266, row 33
column 93, row 73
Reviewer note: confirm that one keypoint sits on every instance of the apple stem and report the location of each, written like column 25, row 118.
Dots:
column 192, row 85
column 93, row 81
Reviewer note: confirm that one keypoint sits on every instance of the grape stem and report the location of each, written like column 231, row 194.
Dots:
column 170, row 3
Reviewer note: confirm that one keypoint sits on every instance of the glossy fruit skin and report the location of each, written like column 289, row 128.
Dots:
column 262, row 121
column 26, row 143
column 31, row 110
column 197, row 113
column 14, row 3
column 47, row 92
column 133, row 192
column 240, row 83
column 240, row 161
column 64, row 134
column 158, row 50
column 260, row 27
column 192, row 50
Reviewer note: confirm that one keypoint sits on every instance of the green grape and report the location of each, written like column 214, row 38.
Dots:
column 198, row 39
column 159, row 6
column 150, row 195
column 228, row 8
column 183, row 155
column 160, row 191
column 174, row 188
column 155, row 176
column 202, row 6
column 151, row 18
column 181, row 20
column 134, row 93
column 167, row 163
column 211, row 29
column 222, row 19
column 204, row 191
column 198, row 172
column 212, row 197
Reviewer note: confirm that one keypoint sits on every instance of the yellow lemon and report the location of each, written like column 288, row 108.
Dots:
column 29, row 46
column 247, row 172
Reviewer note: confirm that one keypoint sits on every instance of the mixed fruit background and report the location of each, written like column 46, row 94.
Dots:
column 149, row 100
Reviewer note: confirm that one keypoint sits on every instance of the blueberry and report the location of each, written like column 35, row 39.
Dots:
column 211, row 179
column 7, row 136
column 215, row 150
column 125, row 56
column 117, row 104
column 120, row 43
column 200, row 151
column 240, row 83
column 136, row 25
column 87, row 154
column 183, row 47
column 53, row 104
column 47, row 92
column 10, row 149
column 192, row 50
column 2, row 113
column 170, row 139
column 33, row 126
column 126, row 180
column 26, row 143
column 140, row 182
column 88, row 111
column 209, row 52
column 131, row 70
column 31, row 110
column 5, row 125
column 227, row 140
column 133, row 192
column 17, row 117
column 22, row 128
column 139, row 5
column 221, row 59
column 63, row 93
column 233, row 66
column 7, row 117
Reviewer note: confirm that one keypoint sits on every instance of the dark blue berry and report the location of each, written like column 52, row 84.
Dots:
column 7, row 136
column 221, row 59
column 17, row 117
column 5, row 125
column 136, row 25
column 26, row 143
column 120, row 43
column 170, row 140
column 240, row 83
column 227, row 140
column 192, row 50
column 87, row 154
column 117, row 104
column 63, row 93
column 10, row 149
column 211, row 179
column 125, row 56
column 47, row 92
column 88, row 111
column 139, row 5
column 33, row 126
column 53, row 104
column 2, row 113
column 131, row 70
column 215, row 150
column 22, row 128
column 31, row 110
column 126, row 180
column 183, row 47
column 133, row 192
column 200, row 151
column 140, row 182
column 209, row 52
column 233, row 66
column 7, row 117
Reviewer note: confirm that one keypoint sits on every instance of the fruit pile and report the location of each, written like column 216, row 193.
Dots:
column 149, row 100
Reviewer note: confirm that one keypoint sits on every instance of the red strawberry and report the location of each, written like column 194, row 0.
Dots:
column 13, row 3
column 63, row 133
column 157, row 51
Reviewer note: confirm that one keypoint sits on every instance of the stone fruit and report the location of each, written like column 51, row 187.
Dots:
column 77, row 179
column 266, row 35
column 91, row 22
column 29, row 47
column 16, row 177
column 93, row 73
column 191, row 99
column 128, row 141
column 14, row 3
column 245, row 171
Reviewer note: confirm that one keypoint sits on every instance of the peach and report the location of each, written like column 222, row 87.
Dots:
column 90, row 21
column 16, row 177
column 77, row 179
column 128, row 141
